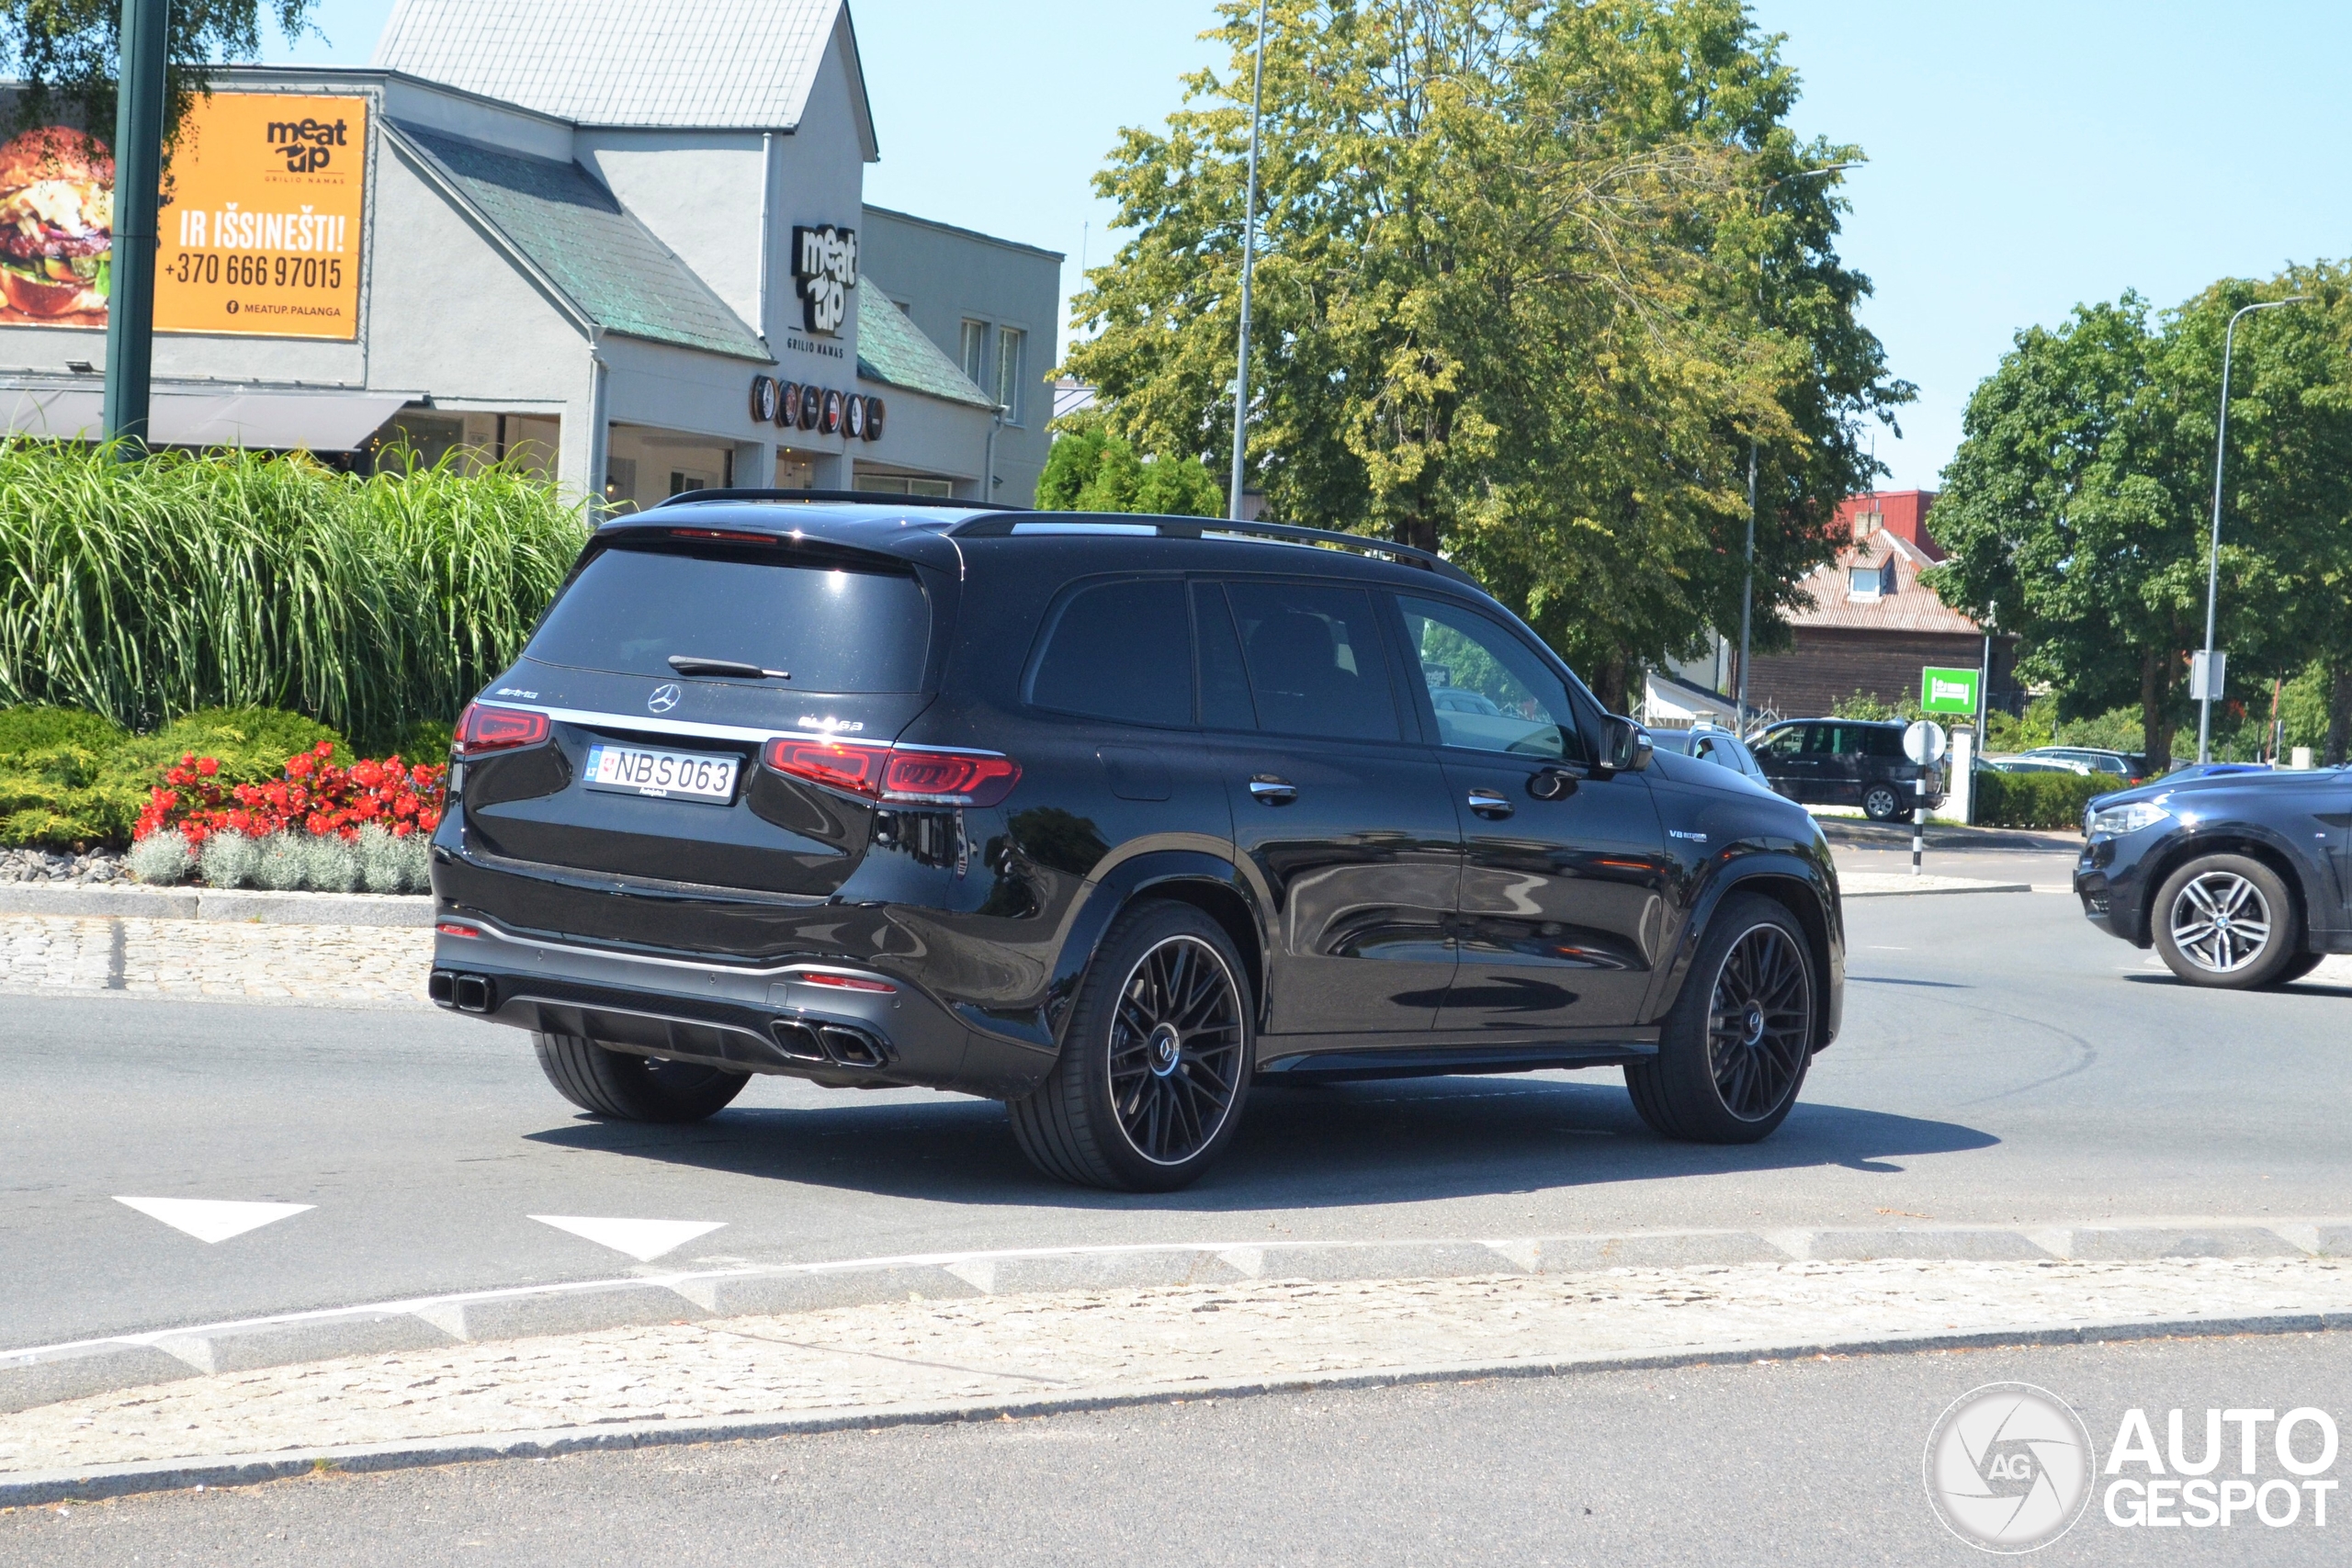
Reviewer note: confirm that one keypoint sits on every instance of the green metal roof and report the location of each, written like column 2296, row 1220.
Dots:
column 594, row 250
column 892, row 350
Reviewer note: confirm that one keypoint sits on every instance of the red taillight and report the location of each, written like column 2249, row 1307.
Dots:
column 950, row 778
column 880, row 772
column 451, row 928
column 483, row 729
column 833, row 763
column 845, row 982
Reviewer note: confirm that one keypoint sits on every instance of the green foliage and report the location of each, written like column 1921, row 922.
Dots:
column 145, row 590
column 2078, row 505
column 1863, row 705
column 66, row 52
column 1532, row 280
column 1093, row 469
column 2022, row 732
column 2117, row 729
column 2036, row 800
column 71, row 780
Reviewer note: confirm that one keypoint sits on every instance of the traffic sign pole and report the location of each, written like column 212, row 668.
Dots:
column 138, row 171
column 1924, row 743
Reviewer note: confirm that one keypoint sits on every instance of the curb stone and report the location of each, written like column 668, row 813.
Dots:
column 217, row 904
column 47, row 1374
column 33, row 1488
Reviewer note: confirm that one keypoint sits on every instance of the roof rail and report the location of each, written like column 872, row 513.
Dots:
column 1006, row 522
column 856, row 497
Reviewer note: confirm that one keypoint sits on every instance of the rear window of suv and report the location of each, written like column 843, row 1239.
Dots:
column 831, row 627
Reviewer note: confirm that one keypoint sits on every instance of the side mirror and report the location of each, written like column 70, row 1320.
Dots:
column 1625, row 745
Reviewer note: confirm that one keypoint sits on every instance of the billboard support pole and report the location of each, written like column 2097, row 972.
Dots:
column 138, row 177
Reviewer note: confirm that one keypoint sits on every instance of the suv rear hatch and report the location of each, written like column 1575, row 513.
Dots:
column 662, row 680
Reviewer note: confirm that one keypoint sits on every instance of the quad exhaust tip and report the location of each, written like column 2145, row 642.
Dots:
column 833, row 1042
column 467, row 993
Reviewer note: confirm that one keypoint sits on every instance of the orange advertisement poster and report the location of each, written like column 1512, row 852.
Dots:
column 260, row 230
column 262, row 235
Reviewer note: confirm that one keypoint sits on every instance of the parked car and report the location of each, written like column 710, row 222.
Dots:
column 2237, row 879
column 1846, row 762
column 2131, row 767
column 2030, row 765
column 1709, row 744
column 1106, row 819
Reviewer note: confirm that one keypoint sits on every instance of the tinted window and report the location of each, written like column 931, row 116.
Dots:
column 1786, row 742
column 831, row 628
column 1490, row 691
column 1224, row 684
column 1315, row 662
column 1821, row 740
column 1881, row 740
column 1120, row 651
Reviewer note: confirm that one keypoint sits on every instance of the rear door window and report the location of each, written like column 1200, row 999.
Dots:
column 831, row 627
column 1120, row 651
column 1314, row 660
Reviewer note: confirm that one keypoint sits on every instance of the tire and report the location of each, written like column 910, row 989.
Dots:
column 2227, row 921
column 1155, row 1060
column 1881, row 803
column 1733, row 1052
column 629, row 1087
column 2297, row 968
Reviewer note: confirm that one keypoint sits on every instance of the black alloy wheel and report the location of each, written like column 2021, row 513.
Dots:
column 1155, row 1061
column 1734, row 1048
column 1759, row 1023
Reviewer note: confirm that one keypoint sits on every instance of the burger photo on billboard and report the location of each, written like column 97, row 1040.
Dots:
column 56, row 222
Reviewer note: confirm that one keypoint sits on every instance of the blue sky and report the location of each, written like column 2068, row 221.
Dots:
column 2023, row 157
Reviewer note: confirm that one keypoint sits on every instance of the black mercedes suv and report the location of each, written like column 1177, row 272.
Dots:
column 1107, row 818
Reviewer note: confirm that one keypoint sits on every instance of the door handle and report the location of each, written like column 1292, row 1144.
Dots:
column 1272, row 791
column 1488, row 804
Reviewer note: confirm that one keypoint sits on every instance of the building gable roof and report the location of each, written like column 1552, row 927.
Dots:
column 892, row 350
column 735, row 64
column 1912, row 607
column 584, row 243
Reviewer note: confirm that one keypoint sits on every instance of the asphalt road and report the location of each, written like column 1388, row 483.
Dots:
column 1812, row 1463
column 2001, row 1061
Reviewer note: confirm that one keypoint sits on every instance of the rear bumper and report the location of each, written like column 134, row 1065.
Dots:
column 772, row 1018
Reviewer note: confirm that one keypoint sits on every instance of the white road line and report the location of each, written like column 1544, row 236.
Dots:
column 644, row 1240
column 211, row 1220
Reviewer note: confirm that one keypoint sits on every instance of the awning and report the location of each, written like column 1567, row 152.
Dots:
column 316, row 422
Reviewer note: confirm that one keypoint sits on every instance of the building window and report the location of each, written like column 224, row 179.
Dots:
column 1008, row 373
column 976, row 348
column 1871, row 582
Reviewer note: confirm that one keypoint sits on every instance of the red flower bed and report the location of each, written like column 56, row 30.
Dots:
column 316, row 795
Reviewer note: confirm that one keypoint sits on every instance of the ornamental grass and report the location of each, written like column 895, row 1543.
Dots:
column 145, row 590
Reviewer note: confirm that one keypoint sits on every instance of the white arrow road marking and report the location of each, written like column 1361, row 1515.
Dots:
column 211, row 1219
column 644, row 1240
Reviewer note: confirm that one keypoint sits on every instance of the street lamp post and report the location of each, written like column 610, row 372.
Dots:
column 2213, row 554
column 1249, row 260
column 137, row 161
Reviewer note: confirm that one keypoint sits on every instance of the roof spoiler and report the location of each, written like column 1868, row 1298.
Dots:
column 1005, row 522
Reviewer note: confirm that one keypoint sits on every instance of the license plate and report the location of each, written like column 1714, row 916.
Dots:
column 671, row 775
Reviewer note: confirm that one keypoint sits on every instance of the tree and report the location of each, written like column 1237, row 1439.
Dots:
column 65, row 51
column 1091, row 469
column 2078, row 505
column 1533, row 276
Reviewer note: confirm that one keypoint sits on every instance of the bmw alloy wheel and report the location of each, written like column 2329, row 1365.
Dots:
column 2220, row 923
column 1759, row 1022
column 1176, row 1049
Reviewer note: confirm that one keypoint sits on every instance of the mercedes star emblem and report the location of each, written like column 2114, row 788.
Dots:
column 665, row 697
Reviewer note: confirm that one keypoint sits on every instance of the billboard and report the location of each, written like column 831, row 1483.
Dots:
column 260, row 232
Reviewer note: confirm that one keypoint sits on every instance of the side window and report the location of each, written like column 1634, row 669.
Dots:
column 1313, row 659
column 1783, row 743
column 1120, row 651
column 1490, row 690
column 1882, row 743
column 1224, row 684
column 1821, row 740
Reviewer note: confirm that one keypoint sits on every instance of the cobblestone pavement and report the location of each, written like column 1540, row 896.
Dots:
column 375, row 965
column 994, row 1350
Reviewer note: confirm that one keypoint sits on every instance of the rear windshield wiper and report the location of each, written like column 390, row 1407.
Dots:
column 688, row 664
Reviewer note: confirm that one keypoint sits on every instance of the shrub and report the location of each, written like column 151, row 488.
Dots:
column 150, row 590
column 388, row 865
column 312, row 793
column 229, row 860
column 69, row 779
column 161, row 859
column 2036, row 800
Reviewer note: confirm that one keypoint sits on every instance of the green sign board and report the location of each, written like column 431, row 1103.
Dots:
column 1947, row 690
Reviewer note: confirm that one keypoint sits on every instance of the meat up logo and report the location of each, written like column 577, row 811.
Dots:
column 824, row 263
column 308, row 145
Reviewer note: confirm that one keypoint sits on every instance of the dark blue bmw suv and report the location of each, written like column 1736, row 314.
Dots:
column 2237, row 880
